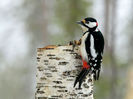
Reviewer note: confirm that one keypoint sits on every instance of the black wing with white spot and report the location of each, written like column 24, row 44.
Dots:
column 94, row 48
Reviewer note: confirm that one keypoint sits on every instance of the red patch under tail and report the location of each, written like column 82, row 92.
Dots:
column 85, row 64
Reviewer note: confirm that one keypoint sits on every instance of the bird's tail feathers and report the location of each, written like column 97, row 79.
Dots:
column 96, row 74
column 81, row 77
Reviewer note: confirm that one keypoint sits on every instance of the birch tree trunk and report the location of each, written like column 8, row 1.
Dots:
column 57, row 68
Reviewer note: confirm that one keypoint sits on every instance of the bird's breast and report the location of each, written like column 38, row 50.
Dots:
column 82, row 47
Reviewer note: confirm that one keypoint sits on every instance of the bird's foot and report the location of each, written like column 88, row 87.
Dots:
column 74, row 43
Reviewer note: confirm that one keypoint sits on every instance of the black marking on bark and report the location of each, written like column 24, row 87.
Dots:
column 40, row 92
column 66, row 73
column 72, row 76
column 56, row 97
column 40, row 68
column 58, row 82
column 62, row 90
column 63, row 63
column 54, row 70
column 56, row 86
column 78, row 66
column 51, row 66
column 56, row 58
column 42, row 98
column 73, row 94
column 50, row 55
column 45, row 60
column 91, row 93
column 38, row 60
column 43, row 78
column 38, row 57
column 80, row 93
column 85, row 95
column 48, row 74
column 68, row 50
column 62, row 87
column 89, row 80
column 77, row 57
column 69, row 79
column 45, row 63
column 49, row 48
column 85, row 85
column 39, row 85
column 74, row 53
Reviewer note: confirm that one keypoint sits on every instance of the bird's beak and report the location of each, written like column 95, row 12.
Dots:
column 80, row 22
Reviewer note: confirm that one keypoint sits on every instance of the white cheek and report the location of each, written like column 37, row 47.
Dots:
column 91, row 24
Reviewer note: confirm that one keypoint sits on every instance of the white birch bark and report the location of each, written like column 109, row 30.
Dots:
column 57, row 69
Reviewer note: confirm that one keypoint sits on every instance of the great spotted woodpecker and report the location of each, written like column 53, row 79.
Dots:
column 91, row 49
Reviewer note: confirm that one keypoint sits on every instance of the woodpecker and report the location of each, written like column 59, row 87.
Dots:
column 91, row 49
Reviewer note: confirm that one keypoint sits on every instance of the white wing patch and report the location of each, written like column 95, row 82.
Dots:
column 92, row 49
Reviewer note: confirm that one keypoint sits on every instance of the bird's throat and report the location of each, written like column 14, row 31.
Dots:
column 84, row 29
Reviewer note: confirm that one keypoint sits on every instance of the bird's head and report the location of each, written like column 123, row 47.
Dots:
column 88, row 24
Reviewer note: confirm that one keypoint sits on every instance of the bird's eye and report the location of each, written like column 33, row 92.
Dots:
column 87, row 22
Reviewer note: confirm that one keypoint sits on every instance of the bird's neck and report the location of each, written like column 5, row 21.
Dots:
column 84, row 29
column 85, row 32
column 90, row 30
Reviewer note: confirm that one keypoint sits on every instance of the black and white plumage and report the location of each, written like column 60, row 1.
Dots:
column 92, row 46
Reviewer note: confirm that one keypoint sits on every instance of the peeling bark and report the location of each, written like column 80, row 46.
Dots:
column 57, row 68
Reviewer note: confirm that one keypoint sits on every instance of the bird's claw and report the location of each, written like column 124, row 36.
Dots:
column 70, row 43
column 74, row 43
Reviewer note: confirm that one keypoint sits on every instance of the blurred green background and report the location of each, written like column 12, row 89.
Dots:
column 26, row 25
